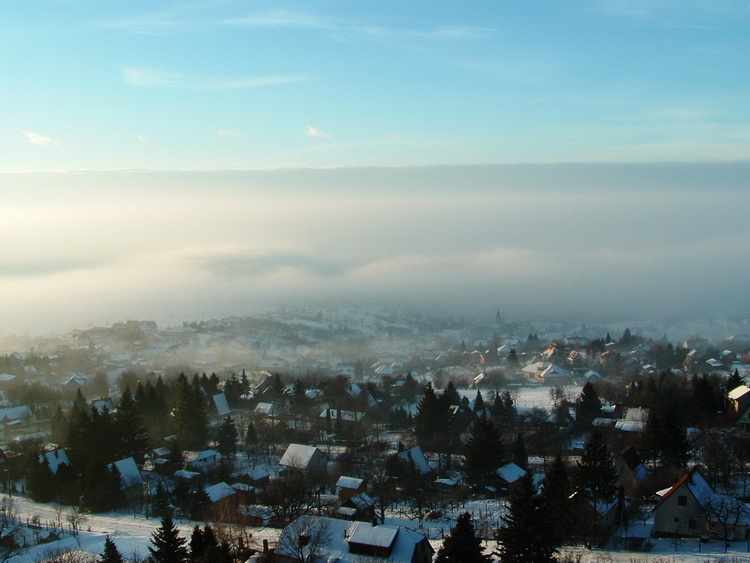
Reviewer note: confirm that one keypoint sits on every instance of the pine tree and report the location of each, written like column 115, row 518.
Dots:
column 520, row 456
column 160, row 503
column 132, row 433
column 595, row 478
column 190, row 420
column 226, row 437
column 525, row 536
column 587, row 406
column 734, row 381
column 111, row 554
column 595, row 474
column 484, row 453
column 450, row 395
column 478, row 403
column 462, row 545
column 168, row 545
column 431, row 421
column 40, row 481
column 555, row 495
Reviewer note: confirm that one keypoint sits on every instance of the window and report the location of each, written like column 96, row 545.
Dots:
column 691, row 524
column 682, row 500
column 676, row 520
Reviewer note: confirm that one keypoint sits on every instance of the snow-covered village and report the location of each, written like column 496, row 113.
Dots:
column 360, row 435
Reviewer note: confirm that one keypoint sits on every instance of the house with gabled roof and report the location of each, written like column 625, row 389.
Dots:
column 739, row 398
column 692, row 508
column 308, row 459
column 631, row 473
column 318, row 538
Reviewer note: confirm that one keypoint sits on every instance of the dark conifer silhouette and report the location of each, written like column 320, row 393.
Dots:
column 462, row 545
column 168, row 545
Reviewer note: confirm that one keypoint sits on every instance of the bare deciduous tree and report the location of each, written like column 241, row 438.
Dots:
column 304, row 538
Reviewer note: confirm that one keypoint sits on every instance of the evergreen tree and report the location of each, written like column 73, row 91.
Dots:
column 160, row 503
column 450, row 395
column 504, row 409
column 40, row 481
column 478, row 403
column 462, row 545
column 520, row 456
column 111, row 554
column 226, row 437
column 595, row 478
column 666, row 438
column 734, row 381
column 132, row 433
column 555, row 497
column 484, row 453
column 587, row 406
column 190, row 419
column 594, row 473
column 431, row 421
column 168, row 545
column 525, row 537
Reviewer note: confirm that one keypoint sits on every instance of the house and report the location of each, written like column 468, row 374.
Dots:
column 595, row 519
column 130, row 475
column 131, row 480
column 317, row 538
column 739, row 398
column 359, row 507
column 201, row 461
column 509, row 474
column 55, row 459
column 308, row 459
column 692, row 508
column 224, row 502
column 631, row 473
column 221, row 405
column 348, row 487
column 257, row 477
column 413, row 456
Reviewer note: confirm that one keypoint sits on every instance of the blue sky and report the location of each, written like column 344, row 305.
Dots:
column 222, row 85
column 182, row 160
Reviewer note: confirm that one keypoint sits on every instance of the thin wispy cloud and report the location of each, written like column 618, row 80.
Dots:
column 280, row 19
column 315, row 132
column 155, row 78
column 455, row 33
column 39, row 140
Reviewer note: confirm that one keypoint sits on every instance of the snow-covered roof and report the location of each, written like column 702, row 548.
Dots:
column 738, row 392
column 298, row 456
column 220, row 402
column 257, row 473
column 265, row 408
column 415, row 455
column 129, row 472
column 349, row 482
column 55, row 458
column 376, row 536
column 510, row 473
column 219, row 491
column 14, row 413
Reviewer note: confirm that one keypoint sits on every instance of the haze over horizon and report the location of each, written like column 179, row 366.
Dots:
column 187, row 160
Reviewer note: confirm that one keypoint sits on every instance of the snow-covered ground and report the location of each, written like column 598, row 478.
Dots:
column 133, row 534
